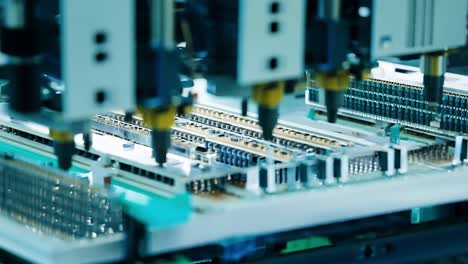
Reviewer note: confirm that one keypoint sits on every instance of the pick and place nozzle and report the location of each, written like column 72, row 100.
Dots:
column 64, row 152
column 160, row 141
column 333, row 101
column 434, row 67
column 267, row 119
column 268, row 96
column 335, row 84
column 87, row 140
column 64, row 147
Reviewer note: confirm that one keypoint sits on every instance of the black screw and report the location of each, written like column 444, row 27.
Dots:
column 100, row 37
column 273, row 63
column 275, row 7
column 274, row 27
column 100, row 57
column 100, row 97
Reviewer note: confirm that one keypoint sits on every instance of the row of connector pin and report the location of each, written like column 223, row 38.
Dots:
column 248, row 127
column 219, row 137
column 244, row 152
column 207, row 186
column 54, row 203
column 202, row 135
column 430, row 154
column 365, row 164
column 229, row 149
column 232, row 156
column 283, row 141
column 317, row 170
column 400, row 102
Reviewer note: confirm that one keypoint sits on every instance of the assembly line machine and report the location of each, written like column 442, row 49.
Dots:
column 127, row 132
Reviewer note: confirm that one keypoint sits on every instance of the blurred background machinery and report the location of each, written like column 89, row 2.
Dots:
column 213, row 131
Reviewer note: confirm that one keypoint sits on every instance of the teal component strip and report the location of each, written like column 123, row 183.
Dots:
column 34, row 157
column 311, row 114
column 395, row 134
column 151, row 209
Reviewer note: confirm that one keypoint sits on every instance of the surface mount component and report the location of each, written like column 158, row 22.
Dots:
column 100, row 161
column 395, row 94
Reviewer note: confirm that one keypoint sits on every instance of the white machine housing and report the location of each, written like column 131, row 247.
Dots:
column 258, row 44
column 404, row 27
column 98, row 71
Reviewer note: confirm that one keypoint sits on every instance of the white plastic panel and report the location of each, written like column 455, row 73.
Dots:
column 405, row 27
column 92, row 31
column 450, row 19
column 300, row 209
column 259, row 46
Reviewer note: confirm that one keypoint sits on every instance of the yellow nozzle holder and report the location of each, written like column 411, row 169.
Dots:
column 187, row 109
column 268, row 95
column 435, row 64
column 61, row 136
column 158, row 119
column 365, row 74
column 295, row 85
column 332, row 81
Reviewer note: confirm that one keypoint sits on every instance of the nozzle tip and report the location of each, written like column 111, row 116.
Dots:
column 87, row 141
column 161, row 141
column 160, row 157
column 333, row 101
column 268, row 135
column 64, row 152
column 332, row 115
column 267, row 119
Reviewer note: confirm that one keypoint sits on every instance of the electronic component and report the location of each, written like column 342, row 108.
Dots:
column 116, row 146
column 327, row 46
column 218, row 171
column 353, row 35
column 54, row 203
column 384, row 97
column 256, row 61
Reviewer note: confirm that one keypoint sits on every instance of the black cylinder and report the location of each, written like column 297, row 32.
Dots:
column 87, row 140
column 433, row 88
column 24, row 88
column 160, row 141
column 333, row 101
column 64, row 152
column 244, row 106
column 267, row 119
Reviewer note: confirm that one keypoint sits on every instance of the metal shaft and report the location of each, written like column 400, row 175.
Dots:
column 329, row 9
column 162, row 24
column 434, row 67
column 267, row 119
column 334, row 101
column 64, row 152
column 20, row 44
column 160, row 141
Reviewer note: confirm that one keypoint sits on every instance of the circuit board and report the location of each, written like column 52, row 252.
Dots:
column 221, row 173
